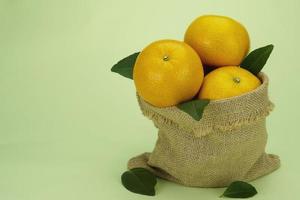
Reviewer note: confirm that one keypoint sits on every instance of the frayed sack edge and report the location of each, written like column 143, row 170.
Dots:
column 204, row 126
column 205, row 130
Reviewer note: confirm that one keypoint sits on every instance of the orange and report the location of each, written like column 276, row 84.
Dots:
column 167, row 72
column 219, row 40
column 226, row 82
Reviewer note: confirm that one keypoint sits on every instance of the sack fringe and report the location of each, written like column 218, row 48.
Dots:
column 207, row 128
column 252, row 117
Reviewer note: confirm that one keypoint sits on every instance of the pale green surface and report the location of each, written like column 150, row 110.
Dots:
column 68, row 125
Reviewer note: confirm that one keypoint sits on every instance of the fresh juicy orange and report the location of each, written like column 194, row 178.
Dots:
column 226, row 82
column 219, row 40
column 167, row 72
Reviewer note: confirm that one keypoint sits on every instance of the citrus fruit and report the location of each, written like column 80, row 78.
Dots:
column 225, row 82
column 167, row 72
column 219, row 40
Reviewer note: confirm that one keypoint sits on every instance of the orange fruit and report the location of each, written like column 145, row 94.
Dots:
column 219, row 40
column 225, row 82
column 167, row 72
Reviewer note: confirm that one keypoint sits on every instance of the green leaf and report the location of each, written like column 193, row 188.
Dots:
column 194, row 108
column 125, row 66
column 239, row 189
column 257, row 59
column 140, row 181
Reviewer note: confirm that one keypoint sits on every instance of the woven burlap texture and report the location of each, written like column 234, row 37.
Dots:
column 227, row 144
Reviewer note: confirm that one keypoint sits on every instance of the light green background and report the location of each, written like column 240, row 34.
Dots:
column 68, row 125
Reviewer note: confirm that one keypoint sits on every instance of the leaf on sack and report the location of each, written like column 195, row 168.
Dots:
column 140, row 181
column 257, row 59
column 239, row 189
column 125, row 66
column 194, row 108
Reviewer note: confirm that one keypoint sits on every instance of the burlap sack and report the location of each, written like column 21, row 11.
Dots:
column 227, row 144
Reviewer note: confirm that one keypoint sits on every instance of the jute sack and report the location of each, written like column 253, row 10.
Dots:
column 227, row 144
